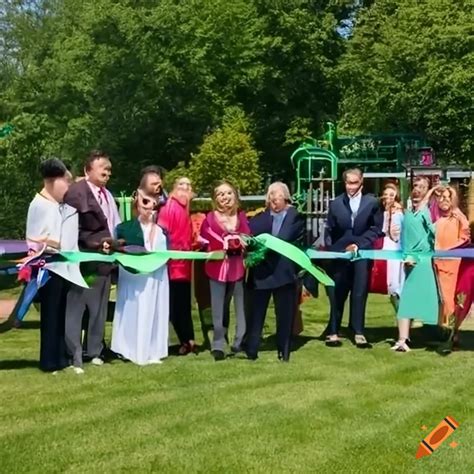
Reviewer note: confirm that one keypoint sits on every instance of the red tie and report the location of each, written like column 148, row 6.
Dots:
column 103, row 194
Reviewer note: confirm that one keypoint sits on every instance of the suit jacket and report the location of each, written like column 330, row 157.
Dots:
column 367, row 227
column 93, row 225
column 276, row 270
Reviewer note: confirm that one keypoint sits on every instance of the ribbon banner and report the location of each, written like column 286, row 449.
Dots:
column 146, row 262
column 313, row 254
column 296, row 255
column 138, row 260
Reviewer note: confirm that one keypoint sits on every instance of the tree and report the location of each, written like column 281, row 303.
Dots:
column 146, row 80
column 228, row 153
column 20, row 155
column 410, row 67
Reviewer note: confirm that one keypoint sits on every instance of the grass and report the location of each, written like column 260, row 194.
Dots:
column 328, row 410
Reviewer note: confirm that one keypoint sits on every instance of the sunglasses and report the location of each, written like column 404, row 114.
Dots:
column 144, row 200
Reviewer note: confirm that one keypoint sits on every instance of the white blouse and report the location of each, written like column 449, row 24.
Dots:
column 58, row 222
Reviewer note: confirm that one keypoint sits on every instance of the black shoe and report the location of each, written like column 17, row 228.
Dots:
column 251, row 356
column 236, row 349
column 218, row 355
column 283, row 358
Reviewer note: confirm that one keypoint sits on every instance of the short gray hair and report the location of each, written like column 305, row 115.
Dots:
column 356, row 171
column 275, row 187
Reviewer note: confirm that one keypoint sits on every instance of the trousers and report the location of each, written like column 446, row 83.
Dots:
column 221, row 294
column 95, row 299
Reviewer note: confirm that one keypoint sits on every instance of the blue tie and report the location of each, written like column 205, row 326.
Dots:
column 277, row 222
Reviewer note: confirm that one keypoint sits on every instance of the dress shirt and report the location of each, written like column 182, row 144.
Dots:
column 277, row 221
column 354, row 203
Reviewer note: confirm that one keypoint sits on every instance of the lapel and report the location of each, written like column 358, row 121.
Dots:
column 285, row 223
column 347, row 209
column 261, row 223
column 91, row 204
column 364, row 202
column 267, row 222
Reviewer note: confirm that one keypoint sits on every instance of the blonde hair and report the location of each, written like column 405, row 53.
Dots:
column 452, row 194
column 275, row 187
column 178, row 179
column 234, row 190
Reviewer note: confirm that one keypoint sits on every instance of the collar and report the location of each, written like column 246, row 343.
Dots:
column 281, row 213
column 356, row 196
column 95, row 188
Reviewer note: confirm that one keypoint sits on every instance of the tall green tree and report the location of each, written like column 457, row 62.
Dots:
column 228, row 153
column 410, row 67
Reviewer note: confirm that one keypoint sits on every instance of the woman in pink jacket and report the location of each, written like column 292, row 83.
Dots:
column 222, row 230
column 174, row 217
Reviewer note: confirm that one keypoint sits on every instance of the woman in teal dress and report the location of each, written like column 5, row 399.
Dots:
column 419, row 298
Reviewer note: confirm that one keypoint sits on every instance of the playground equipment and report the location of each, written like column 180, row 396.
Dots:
column 398, row 157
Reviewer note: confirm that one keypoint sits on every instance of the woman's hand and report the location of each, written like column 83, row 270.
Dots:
column 243, row 242
column 106, row 247
column 409, row 262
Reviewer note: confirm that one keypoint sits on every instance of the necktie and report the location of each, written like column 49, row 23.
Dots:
column 103, row 196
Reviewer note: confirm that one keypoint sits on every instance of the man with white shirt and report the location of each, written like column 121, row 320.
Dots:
column 354, row 222
column 98, row 217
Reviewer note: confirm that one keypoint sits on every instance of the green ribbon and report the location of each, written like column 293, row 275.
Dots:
column 149, row 262
column 389, row 254
column 296, row 255
column 140, row 263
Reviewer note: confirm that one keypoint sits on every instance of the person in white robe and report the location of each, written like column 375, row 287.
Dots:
column 140, row 328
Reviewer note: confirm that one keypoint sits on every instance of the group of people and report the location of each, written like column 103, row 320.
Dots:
column 419, row 288
column 81, row 214
column 68, row 215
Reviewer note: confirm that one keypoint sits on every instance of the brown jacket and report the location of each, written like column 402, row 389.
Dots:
column 93, row 226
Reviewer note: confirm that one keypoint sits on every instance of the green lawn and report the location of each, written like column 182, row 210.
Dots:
column 328, row 410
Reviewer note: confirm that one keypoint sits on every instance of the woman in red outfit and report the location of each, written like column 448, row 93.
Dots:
column 464, row 296
column 222, row 230
column 174, row 217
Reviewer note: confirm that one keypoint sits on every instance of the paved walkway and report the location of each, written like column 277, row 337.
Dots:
column 6, row 307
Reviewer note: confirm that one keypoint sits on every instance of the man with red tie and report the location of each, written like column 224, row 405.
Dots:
column 98, row 217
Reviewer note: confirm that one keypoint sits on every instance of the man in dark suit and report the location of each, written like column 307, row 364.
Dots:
column 354, row 222
column 98, row 217
column 276, row 275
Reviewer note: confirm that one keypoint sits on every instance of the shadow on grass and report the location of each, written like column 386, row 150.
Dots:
column 431, row 338
column 269, row 343
column 18, row 364
column 9, row 325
